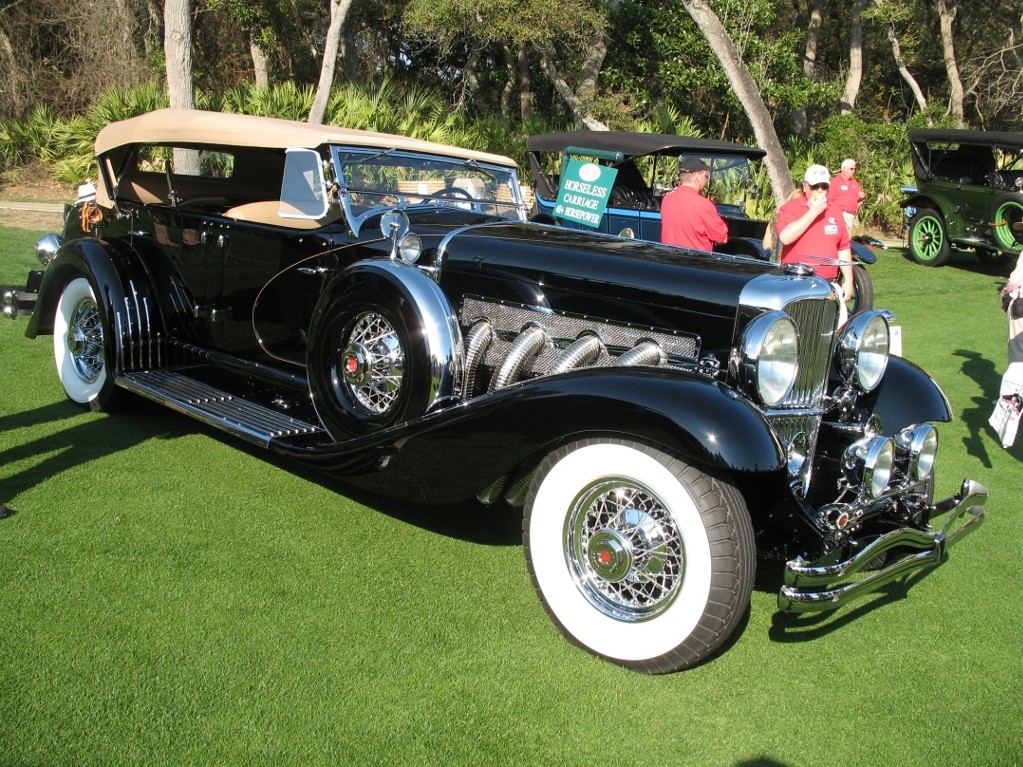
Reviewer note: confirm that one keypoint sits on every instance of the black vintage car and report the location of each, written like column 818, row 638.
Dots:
column 646, row 167
column 380, row 308
column 968, row 194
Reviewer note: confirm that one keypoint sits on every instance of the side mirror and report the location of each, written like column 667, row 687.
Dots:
column 628, row 233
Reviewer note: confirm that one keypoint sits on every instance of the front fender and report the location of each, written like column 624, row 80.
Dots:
column 908, row 395
column 460, row 450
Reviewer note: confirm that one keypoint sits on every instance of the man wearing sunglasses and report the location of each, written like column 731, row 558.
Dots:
column 812, row 231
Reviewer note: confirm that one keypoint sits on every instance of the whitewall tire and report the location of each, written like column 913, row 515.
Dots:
column 80, row 348
column 638, row 556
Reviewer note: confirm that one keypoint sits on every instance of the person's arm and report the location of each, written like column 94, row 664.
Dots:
column 717, row 229
column 792, row 231
column 1016, row 278
column 845, row 265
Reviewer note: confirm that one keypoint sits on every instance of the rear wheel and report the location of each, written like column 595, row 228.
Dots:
column 80, row 349
column 928, row 240
column 637, row 556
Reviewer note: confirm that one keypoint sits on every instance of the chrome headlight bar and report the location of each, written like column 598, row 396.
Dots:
column 876, row 464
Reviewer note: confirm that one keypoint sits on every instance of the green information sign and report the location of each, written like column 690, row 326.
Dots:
column 582, row 195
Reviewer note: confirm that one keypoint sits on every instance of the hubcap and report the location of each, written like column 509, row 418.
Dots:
column 84, row 341
column 624, row 550
column 372, row 363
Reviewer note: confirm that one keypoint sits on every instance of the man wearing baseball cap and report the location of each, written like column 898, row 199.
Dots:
column 813, row 232
column 688, row 218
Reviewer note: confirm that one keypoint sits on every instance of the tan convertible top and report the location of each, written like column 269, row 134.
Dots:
column 197, row 127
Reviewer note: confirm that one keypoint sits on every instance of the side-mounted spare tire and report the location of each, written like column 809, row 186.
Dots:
column 384, row 347
column 1007, row 218
column 638, row 556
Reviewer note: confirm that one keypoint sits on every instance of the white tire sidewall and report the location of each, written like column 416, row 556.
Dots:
column 77, row 390
column 625, row 641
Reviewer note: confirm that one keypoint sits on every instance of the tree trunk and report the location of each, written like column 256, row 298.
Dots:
column 800, row 121
column 177, row 48
column 577, row 100
column 525, row 84
column 748, row 94
column 338, row 12
column 855, row 74
column 900, row 63
column 259, row 65
column 509, row 81
column 946, row 17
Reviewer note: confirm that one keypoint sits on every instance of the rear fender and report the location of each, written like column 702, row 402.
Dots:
column 124, row 296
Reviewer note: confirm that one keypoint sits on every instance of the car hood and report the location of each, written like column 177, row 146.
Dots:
column 613, row 278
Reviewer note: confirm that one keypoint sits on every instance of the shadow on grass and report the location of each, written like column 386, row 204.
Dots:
column 986, row 376
column 98, row 436
column 968, row 261
column 788, row 628
column 470, row 521
column 86, row 438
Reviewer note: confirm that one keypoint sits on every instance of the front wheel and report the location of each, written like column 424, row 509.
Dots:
column 638, row 557
column 928, row 241
column 863, row 290
column 80, row 349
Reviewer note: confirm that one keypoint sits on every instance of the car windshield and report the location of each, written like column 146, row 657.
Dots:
column 372, row 179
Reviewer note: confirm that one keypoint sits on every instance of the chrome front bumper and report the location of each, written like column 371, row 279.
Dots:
column 811, row 586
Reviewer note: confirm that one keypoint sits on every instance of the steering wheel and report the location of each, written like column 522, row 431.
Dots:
column 453, row 193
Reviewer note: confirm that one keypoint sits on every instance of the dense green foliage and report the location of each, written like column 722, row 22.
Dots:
column 173, row 598
column 490, row 72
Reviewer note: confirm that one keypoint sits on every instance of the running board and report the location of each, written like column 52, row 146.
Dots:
column 247, row 420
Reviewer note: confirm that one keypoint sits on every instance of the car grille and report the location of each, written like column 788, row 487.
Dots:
column 800, row 413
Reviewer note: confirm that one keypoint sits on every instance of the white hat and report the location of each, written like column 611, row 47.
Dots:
column 817, row 174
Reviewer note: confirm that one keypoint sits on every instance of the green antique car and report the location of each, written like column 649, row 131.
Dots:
column 968, row 194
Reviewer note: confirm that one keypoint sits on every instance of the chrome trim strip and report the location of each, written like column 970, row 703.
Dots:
column 812, row 587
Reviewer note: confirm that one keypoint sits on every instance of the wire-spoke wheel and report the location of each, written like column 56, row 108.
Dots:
column 638, row 556
column 928, row 241
column 367, row 361
column 79, row 348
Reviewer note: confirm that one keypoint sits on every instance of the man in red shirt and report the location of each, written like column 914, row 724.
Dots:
column 812, row 231
column 846, row 193
column 688, row 218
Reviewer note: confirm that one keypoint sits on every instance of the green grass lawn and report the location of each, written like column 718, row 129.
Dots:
column 170, row 597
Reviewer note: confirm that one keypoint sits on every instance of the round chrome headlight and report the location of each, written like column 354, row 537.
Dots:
column 868, row 465
column 862, row 354
column 769, row 358
column 410, row 248
column 915, row 449
column 47, row 247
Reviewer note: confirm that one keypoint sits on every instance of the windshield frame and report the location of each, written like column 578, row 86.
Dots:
column 486, row 183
